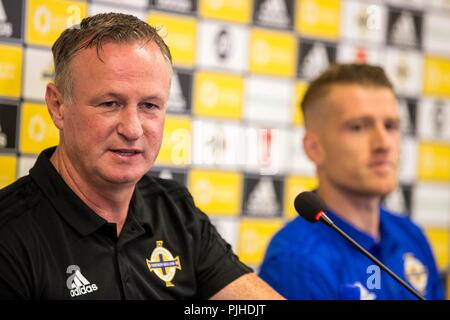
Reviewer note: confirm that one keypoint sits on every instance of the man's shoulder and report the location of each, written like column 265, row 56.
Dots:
column 404, row 230
column 301, row 238
column 302, row 250
column 18, row 199
column 399, row 221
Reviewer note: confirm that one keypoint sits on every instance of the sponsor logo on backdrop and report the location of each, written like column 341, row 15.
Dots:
column 275, row 105
column 216, row 192
column 404, row 68
column 314, row 57
column 180, row 92
column 176, row 144
column 179, row 33
column 368, row 18
column 274, row 13
column 229, row 10
column 10, row 70
column 272, row 53
column 217, row 143
column 433, row 161
column 47, row 19
column 11, row 19
column 407, row 110
column 37, row 129
column 315, row 61
column 39, row 71
column 435, row 39
column 347, row 53
column 254, row 236
column 318, row 19
column 48, row 74
column 404, row 29
column 3, row 138
column 430, row 200
column 6, row 28
column 44, row 21
column 223, row 44
column 177, row 102
column 434, row 119
column 96, row 8
column 8, row 121
column 135, row 3
column 185, row 6
column 262, row 196
column 361, row 55
column 298, row 160
column 438, row 118
column 407, row 164
column 265, row 151
column 363, row 22
column 169, row 174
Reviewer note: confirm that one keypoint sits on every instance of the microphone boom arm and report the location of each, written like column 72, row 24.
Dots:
column 331, row 224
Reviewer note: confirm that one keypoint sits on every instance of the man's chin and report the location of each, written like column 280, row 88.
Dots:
column 123, row 179
column 382, row 190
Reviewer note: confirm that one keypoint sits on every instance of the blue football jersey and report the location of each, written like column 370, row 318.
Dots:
column 312, row 261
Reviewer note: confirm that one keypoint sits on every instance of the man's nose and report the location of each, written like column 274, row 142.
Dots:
column 130, row 125
column 381, row 138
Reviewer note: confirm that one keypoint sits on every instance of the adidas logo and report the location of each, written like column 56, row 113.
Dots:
column 3, row 138
column 77, row 283
column 274, row 13
column 177, row 102
column 6, row 29
column 403, row 31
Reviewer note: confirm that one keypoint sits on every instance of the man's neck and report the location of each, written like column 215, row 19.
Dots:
column 109, row 202
column 361, row 211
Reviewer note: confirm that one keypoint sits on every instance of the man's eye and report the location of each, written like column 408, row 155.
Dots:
column 355, row 127
column 392, row 125
column 149, row 106
column 109, row 104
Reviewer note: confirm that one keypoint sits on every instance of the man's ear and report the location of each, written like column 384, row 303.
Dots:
column 313, row 147
column 55, row 105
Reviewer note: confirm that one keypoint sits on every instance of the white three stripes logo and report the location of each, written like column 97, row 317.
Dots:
column 76, row 279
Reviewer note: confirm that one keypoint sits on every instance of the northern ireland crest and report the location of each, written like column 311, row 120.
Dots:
column 163, row 264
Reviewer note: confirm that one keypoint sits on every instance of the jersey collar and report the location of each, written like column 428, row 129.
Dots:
column 63, row 199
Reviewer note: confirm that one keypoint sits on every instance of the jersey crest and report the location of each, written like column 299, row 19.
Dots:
column 163, row 264
column 415, row 272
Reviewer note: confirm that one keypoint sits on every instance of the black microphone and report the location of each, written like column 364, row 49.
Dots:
column 312, row 208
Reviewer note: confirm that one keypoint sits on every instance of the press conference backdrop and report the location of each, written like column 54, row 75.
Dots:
column 233, row 131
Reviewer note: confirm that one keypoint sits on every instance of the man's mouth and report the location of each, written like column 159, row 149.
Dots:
column 126, row 152
column 381, row 165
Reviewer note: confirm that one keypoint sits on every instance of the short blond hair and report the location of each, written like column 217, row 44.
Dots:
column 92, row 32
column 342, row 74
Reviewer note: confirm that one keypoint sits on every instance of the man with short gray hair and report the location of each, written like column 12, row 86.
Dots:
column 87, row 222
